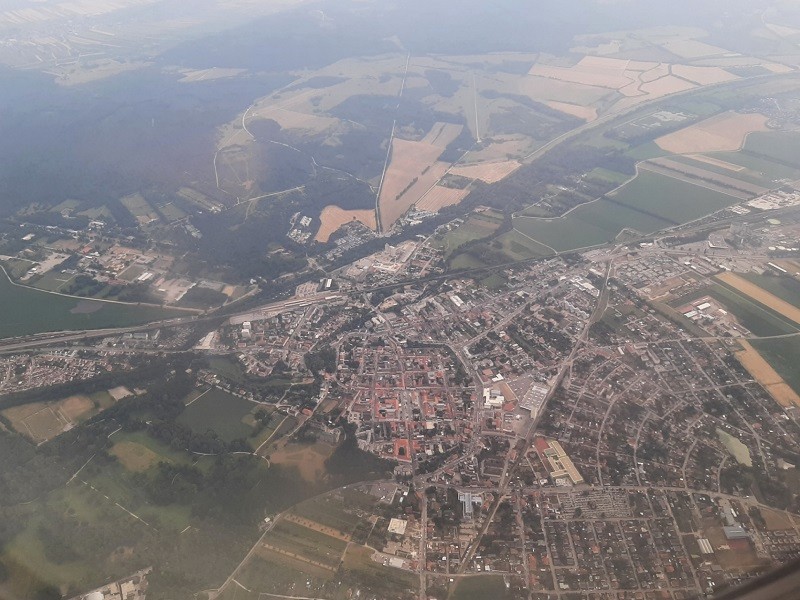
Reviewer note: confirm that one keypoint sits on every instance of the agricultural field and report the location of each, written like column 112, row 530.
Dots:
column 587, row 113
column 726, row 183
column 768, row 377
column 306, row 544
column 219, row 411
column 476, row 226
column 760, row 295
column 134, row 456
column 726, row 132
column 479, row 587
column 488, row 172
column 646, row 204
column 757, row 318
column 140, row 209
column 413, row 169
column 439, row 197
column 763, row 167
column 498, row 149
column 670, row 199
column 359, row 564
column 780, row 147
column 518, row 246
column 333, row 218
column 781, row 355
column 291, row 119
column 308, row 459
column 784, row 287
column 588, row 225
column 172, row 212
column 340, row 513
column 28, row 311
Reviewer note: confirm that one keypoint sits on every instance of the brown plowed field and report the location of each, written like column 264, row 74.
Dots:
column 333, row 217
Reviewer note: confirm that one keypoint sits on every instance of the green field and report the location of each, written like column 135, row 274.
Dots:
column 480, row 587
column 588, row 225
column 474, row 228
column 759, row 319
column 139, row 207
column 27, row 311
column 785, row 288
column 783, row 147
column 329, row 511
column 766, row 168
column 219, row 411
column 671, row 199
column 307, row 543
column 647, row 204
column 782, row 355
column 746, row 175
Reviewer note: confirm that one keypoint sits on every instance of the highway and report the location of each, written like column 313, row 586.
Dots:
column 48, row 339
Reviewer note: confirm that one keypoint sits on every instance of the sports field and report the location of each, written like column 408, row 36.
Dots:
column 42, row 421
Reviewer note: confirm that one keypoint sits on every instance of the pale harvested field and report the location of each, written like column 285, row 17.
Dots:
column 760, row 295
column 615, row 64
column 587, row 113
column 409, row 161
column 290, row 119
column 416, row 192
column 762, row 372
column 75, row 407
column 777, row 68
column 693, row 49
column 543, row 88
column 656, row 72
column 487, row 172
column 611, row 78
column 664, row 86
column 703, row 75
column 442, row 134
column 716, row 162
column 439, row 196
column 637, row 80
column 722, row 133
column 333, row 217
column 318, row 527
column 782, row 30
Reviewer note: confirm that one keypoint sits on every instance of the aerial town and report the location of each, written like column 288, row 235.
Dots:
column 599, row 423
